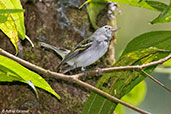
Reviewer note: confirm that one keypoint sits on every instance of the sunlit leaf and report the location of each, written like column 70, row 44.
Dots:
column 6, row 76
column 17, row 17
column 165, row 16
column 9, row 28
column 134, row 97
column 167, row 63
column 12, row 20
column 9, row 11
column 12, row 71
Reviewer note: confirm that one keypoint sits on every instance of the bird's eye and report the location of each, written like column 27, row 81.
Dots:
column 107, row 28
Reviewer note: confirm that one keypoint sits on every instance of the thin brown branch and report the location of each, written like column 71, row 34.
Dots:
column 162, row 85
column 69, row 78
column 138, row 67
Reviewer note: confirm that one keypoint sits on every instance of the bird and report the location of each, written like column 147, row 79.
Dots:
column 89, row 50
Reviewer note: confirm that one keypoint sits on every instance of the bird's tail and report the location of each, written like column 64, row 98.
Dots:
column 59, row 51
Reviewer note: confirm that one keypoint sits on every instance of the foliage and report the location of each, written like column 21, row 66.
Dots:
column 165, row 16
column 12, row 20
column 134, row 97
column 118, row 83
column 95, row 6
column 12, row 24
column 12, row 71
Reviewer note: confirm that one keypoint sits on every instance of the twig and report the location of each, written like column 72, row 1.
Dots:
column 162, row 85
column 138, row 67
column 69, row 78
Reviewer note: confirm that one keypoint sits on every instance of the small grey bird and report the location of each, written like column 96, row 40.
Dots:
column 89, row 50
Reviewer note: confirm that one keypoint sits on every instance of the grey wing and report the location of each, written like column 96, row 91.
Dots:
column 79, row 48
column 67, row 58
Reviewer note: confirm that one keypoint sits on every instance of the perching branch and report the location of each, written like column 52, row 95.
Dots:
column 74, row 78
column 138, row 67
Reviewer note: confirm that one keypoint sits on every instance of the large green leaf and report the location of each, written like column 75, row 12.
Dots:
column 165, row 16
column 119, row 83
column 12, row 20
column 12, row 71
column 158, row 39
column 134, row 97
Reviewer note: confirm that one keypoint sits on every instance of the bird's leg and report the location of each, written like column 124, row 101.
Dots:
column 83, row 69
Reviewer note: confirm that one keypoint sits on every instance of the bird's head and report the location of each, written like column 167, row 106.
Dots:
column 106, row 30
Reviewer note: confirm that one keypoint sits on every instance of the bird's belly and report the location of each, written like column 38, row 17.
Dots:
column 91, row 55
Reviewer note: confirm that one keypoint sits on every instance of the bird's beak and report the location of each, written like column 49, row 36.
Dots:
column 115, row 29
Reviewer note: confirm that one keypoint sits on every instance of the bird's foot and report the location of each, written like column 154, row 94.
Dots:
column 83, row 69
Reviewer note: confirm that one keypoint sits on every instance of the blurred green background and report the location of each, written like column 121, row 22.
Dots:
column 134, row 21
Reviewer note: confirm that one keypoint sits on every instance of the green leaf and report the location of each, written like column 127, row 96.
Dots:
column 8, row 27
column 8, row 76
column 141, row 50
column 165, row 16
column 167, row 63
column 94, row 7
column 136, row 3
column 84, row 3
column 158, row 39
column 12, row 20
column 157, row 5
column 12, row 71
column 17, row 17
column 134, row 97
column 8, row 11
